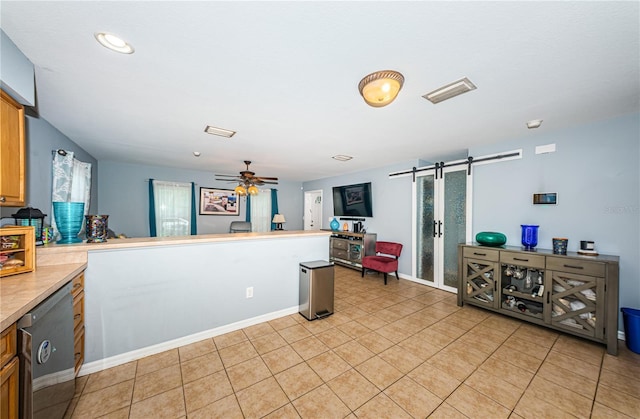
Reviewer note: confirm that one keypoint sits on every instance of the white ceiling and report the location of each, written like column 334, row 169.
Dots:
column 284, row 75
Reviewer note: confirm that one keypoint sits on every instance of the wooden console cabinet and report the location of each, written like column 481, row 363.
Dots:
column 348, row 248
column 571, row 293
column 12, row 152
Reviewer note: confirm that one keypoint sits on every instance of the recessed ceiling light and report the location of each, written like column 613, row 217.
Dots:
column 454, row 89
column 341, row 157
column 219, row 131
column 114, row 43
column 196, row 153
column 534, row 123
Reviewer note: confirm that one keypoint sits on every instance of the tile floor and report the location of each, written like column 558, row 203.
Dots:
column 396, row 351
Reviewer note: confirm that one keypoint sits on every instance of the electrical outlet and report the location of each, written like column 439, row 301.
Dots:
column 250, row 292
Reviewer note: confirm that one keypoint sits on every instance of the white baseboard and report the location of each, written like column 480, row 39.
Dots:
column 114, row 361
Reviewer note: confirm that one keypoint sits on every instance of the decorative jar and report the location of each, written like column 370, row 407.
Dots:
column 560, row 245
column 529, row 236
column 335, row 225
column 69, row 216
column 96, row 228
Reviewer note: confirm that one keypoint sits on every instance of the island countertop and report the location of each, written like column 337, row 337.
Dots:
column 57, row 264
column 54, row 254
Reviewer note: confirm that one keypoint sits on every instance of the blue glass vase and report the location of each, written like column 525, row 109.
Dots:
column 335, row 225
column 69, row 217
column 529, row 236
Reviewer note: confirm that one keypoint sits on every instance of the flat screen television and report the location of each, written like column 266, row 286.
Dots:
column 352, row 200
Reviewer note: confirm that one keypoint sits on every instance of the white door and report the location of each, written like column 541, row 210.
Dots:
column 313, row 210
column 442, row 221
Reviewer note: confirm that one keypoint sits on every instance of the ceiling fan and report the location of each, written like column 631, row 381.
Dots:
column 247, row 181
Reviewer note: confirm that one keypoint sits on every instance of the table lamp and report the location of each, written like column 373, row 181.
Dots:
column 278, row 219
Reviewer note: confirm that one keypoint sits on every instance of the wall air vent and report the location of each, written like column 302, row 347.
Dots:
column 456, row 88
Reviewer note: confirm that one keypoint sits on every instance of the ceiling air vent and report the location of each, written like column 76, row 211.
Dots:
column 456, row 88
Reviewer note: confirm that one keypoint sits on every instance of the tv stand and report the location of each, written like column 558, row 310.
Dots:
column 348, row 249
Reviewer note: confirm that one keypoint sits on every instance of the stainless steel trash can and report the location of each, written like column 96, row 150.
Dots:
column 316, row 289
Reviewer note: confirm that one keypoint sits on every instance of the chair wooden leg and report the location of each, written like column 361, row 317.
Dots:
column 385, row 278
column 397, row 277
column 362, row 276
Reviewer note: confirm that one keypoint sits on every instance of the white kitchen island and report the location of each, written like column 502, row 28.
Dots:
column 145, row 296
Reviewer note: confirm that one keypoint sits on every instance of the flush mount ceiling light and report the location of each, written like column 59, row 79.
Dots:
column 342, row 157
column 381, row 88
column 219, row 131
column 454, row 89
column 114, row 43
column 534, row 123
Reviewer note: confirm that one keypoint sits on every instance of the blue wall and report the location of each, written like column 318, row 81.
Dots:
column 41, row 139
column 124, row 196
column 391, row 199
column 595, row 171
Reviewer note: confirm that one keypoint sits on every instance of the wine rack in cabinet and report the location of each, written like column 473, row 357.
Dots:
column 571, row 293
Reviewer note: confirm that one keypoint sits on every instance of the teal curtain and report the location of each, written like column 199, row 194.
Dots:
column 194, row 215
column 152, row 211
column 248, row 209
column 274, row 206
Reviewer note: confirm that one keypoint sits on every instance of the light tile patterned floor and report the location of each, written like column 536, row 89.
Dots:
column 396, row 351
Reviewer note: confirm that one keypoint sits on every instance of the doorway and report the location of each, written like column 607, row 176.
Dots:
column 442, row 220
column 313, row 210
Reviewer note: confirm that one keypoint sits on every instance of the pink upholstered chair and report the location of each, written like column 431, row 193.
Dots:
column 385, row 259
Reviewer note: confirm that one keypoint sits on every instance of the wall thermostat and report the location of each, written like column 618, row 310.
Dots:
column 547, row 198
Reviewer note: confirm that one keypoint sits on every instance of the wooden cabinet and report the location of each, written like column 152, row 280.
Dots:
column 570, row 293
column 9, row 374
column 17, row 250
column 12, row 152
column 480, row 272
column 348, row 249
column 77, row 291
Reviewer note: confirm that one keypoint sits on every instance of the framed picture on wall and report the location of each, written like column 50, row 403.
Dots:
column 218, row 202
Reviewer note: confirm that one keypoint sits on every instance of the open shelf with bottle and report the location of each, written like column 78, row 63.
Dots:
column 17, row 250
column 570, row 293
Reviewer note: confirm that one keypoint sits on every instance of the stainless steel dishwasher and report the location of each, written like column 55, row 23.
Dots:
column 45, row 339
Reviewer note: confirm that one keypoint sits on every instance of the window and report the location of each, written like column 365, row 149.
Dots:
column 261, row 211
column 172, row 203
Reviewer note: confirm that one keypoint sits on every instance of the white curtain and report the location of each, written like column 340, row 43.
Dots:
column 261, row 211
column 172, row 202
column 71, row 182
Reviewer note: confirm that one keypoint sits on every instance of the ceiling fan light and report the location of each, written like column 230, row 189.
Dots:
column 381, row 88
column 240, row 190
column 253, row 190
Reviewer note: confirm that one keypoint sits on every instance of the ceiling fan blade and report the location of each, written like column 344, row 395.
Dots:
column 265, row 178
column 268, row 183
